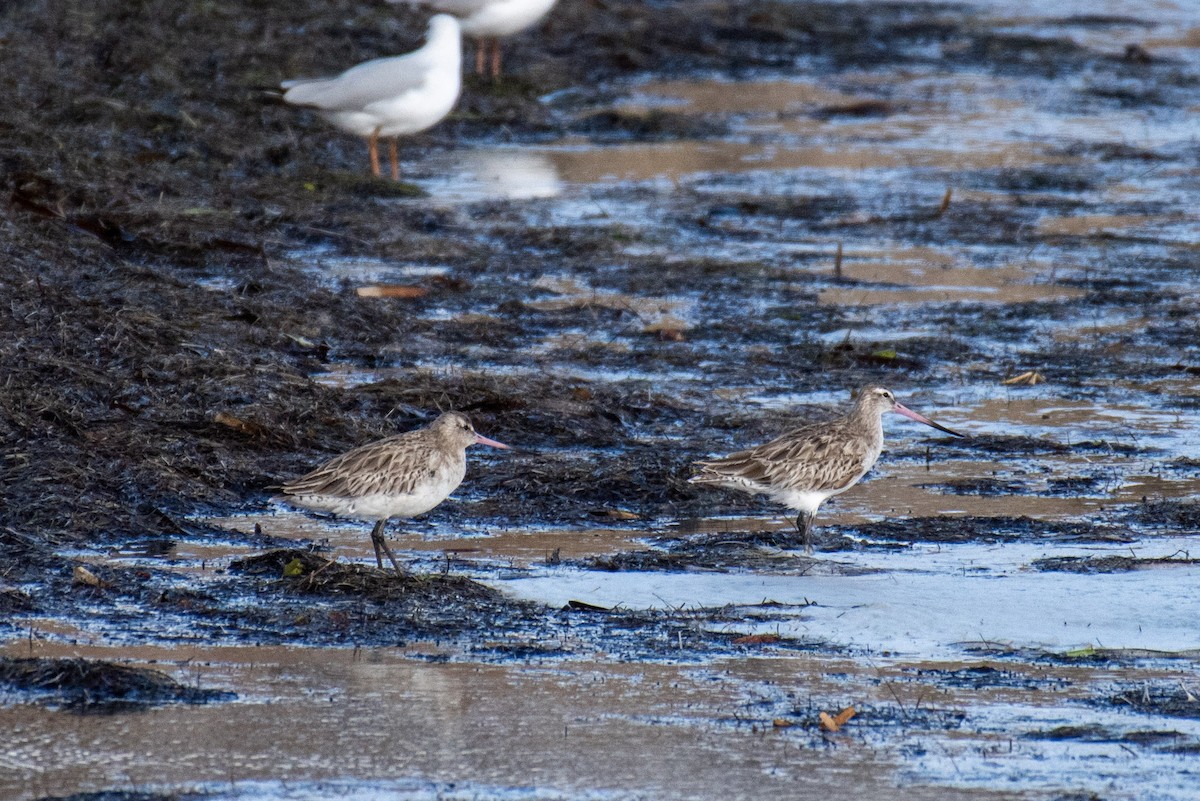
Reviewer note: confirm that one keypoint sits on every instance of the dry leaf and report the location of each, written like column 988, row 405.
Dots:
column 238, row 424
column 621, row 514
column 1028, row 378
column 392, row 291
column 667, row 329
column 781, row 723
column 757, row 639
column 84, row 576
column 945, row 202
column 303, row 342
column 832, row 723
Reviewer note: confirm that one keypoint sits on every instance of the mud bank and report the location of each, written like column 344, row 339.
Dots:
column 674, row 231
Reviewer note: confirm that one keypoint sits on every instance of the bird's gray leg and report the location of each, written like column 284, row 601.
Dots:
column 495, row 59
column 376, row 536
column 375, row 541
column 379, row 542
column 373, row 151
column 393, row 152
column 804, row 526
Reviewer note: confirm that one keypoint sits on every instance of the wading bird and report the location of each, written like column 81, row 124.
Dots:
column 808, row 465
column 401, row 476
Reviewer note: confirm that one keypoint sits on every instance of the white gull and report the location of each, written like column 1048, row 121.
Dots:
column 487, row 21
column 390, row 97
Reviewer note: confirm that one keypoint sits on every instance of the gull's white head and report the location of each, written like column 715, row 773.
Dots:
column 443, row 25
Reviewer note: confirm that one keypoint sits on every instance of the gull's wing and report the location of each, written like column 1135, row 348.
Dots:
column 360, row 86
column 461, row 8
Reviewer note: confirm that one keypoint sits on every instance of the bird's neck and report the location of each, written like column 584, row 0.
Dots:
column 447, row 42
column 863, row 418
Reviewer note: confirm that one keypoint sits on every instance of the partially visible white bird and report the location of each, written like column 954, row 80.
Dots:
column 487, row 21
column 393, row 96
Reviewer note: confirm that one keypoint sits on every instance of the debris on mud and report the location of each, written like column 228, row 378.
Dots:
column 779, row 550
column 1087, row 655
column 1162, row 698
column 968, row 528
column 93, row 686
column 126, row 795
column 1177, row 516
column 304, row 572
column 980, row 676
column 1108, row 564
column 325, row 601
column 186, row 326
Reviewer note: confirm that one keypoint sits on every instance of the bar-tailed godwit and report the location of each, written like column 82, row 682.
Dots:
column 401, row 476
column 806, row 466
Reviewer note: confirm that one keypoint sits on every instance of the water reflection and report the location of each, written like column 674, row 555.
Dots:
column 494, row 173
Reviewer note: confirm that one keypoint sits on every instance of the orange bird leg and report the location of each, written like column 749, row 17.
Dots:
column 373, row 149
column 480, row 56
column 393, row 152
column 495, row 59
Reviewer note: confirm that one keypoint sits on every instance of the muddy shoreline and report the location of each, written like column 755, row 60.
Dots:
column 183, row 328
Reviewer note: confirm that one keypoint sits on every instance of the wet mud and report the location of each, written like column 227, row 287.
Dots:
column 729, row 215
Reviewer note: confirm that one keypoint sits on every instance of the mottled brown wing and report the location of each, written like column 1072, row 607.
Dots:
column 396, row 466
column 816, row 458
column 812, row 458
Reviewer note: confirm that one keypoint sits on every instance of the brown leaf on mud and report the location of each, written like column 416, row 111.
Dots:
column 392, row 291
column 621, row 514
column 945, row 204
column 781, row 723
column 82, row 575
column 668, row 329
column 247, row 427
column 667, row 334
column 1028, row 378
column 757, row 639
column 835, row 723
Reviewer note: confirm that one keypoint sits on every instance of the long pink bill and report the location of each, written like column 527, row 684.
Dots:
column 480, row 439
column 900, row 408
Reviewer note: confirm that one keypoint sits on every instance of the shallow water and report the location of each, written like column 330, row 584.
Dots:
column 895, row 632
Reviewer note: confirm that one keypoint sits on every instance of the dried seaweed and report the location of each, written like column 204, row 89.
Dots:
column 93, row 686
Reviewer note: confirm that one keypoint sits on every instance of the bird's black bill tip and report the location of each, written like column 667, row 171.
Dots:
column 949, row 431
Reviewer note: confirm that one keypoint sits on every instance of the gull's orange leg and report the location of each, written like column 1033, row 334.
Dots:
column 373, row 149
column 495, row 59
column 393, row 152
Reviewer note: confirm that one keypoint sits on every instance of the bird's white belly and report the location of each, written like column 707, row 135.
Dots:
column 383, row 505
column 505, row 18
column 802, row 501
column 416, row 109
column 361, row 123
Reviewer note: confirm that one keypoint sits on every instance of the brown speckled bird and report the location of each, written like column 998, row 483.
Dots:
column 810, row 464
column 401, row 476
